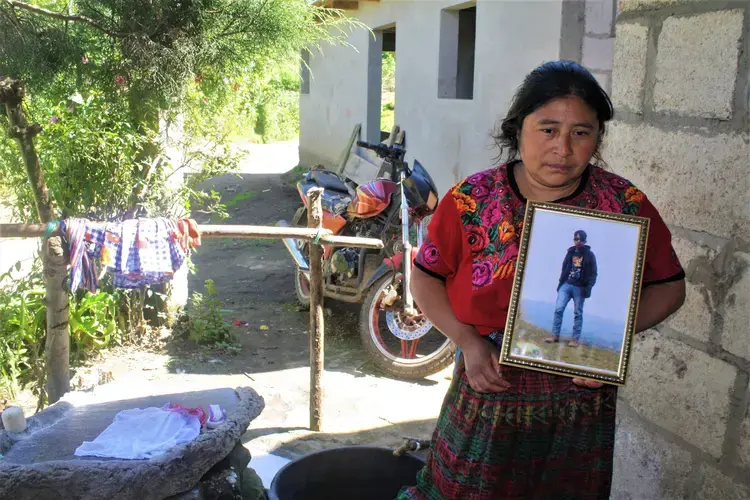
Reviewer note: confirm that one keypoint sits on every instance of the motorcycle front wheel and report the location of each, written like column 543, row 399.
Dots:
column 405, row 347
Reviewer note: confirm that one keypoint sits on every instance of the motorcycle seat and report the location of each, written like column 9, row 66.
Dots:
column 333, row 201
column 328, row 180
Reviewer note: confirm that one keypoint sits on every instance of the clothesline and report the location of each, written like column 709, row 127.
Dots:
column 57, row 367
column 222, row 231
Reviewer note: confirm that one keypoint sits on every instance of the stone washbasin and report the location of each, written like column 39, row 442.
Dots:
column 39, row 463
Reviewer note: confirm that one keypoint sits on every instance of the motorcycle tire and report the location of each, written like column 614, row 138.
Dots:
column 301, row 290
column 401, row 368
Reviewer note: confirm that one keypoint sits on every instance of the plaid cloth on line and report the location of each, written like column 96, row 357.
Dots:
column 543, row 439
column 148, row 253
column 139, row 251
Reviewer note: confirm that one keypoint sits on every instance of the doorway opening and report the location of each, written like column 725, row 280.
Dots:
column 381, row 85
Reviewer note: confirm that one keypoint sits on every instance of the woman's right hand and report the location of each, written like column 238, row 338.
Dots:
column 481, row 359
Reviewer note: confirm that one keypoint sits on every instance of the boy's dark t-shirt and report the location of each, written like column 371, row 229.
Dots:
column 574, row 277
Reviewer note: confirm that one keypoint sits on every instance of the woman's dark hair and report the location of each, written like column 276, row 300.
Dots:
column 551, row 80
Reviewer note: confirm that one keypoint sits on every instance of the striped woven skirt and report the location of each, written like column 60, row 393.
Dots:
column 544, row 438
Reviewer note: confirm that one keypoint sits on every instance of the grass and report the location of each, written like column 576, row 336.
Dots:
column 240, row 197
column 387, row 116
column 583, row 355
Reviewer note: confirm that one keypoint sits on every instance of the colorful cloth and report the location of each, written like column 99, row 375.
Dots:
column 83, row 238
column 147, row 253
column 472, row 240
column 187, row 235
column 372, row 198
column 137, row 251
column 544, row 439
column 196, row 412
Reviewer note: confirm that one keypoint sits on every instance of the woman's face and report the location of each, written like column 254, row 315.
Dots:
column 558, row 140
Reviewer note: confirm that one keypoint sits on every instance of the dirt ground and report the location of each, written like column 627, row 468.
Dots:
column 254, row 280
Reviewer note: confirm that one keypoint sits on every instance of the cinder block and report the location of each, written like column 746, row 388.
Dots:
column 647, row 466
column 598, row 53
column 696, row 64
column 696, row 182
column 605, row 80
column 716, row 485
column 681, row 389
column 694, row 318
column 629, row 67
column 736, row 333
column 628, row 5
column 599, row 16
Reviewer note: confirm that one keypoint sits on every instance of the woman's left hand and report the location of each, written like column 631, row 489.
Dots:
column 589, row 384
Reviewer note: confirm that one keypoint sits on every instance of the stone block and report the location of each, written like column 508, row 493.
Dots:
column 716, row 485
column 629, row 5
column 599, row 16
column 680, row 389
column 647, row 466
column 629, row 66
column 694, row 318
column 598, row 53
column 736, row 333
column 696, row 182
column 696, row 65
column 605, row 80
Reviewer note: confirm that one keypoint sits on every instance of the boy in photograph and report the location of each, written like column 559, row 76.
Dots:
column 577, row 278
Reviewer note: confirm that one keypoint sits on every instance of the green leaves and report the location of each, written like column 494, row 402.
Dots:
column 203, row 322
column 93, row 326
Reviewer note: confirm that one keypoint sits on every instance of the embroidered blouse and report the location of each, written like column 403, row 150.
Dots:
column 472, row 241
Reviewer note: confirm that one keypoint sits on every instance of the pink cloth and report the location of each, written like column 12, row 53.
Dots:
column 192, row 412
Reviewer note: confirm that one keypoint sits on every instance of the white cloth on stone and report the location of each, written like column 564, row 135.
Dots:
column 142, row 434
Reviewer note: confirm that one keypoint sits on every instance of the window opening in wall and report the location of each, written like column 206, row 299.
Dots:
column 381, row 84
column 458, row 34
column 304, row 87
column 388, row 83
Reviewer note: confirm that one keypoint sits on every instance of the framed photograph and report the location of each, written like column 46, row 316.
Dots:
column 575, row 296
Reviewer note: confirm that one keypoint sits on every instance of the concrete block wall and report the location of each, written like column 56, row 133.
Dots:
column 682, row 133
column 588, row 36
column 597, row 47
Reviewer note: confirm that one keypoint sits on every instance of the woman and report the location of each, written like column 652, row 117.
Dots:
column 506, row 432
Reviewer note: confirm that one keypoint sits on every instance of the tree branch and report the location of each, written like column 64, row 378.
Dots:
column 63, row 17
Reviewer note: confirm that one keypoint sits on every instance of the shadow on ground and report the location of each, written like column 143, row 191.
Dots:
column 300, row 442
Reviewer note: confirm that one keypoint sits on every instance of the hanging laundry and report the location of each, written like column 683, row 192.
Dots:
column 148, row 253
column 188, row 235
column 83, row 239
column 145, row 251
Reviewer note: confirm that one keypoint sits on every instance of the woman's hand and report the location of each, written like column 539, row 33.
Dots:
column 589, row 384
column 481, row 359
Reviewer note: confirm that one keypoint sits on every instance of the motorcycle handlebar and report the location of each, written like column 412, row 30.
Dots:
column 379, row 149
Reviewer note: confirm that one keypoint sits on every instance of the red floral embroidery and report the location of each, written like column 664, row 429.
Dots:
column 492, row 216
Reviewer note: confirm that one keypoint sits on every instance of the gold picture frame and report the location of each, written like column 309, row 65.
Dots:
column 538, row 333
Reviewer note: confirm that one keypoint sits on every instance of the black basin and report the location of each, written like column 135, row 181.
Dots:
column 352, row 472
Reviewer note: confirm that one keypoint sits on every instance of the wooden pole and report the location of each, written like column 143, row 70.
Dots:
column 315, row 221
column 226, row 231
column 54, row 258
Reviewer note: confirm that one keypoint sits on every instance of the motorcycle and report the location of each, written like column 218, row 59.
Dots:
column 398, row 338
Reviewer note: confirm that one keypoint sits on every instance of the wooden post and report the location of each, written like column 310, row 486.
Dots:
column 54, row 258
column 315, row 220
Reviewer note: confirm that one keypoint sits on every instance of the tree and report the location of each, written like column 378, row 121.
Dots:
column 141, row 59
column 104, row 74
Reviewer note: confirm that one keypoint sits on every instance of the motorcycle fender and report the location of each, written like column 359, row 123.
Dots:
column 389, row 264
column 381, row 271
